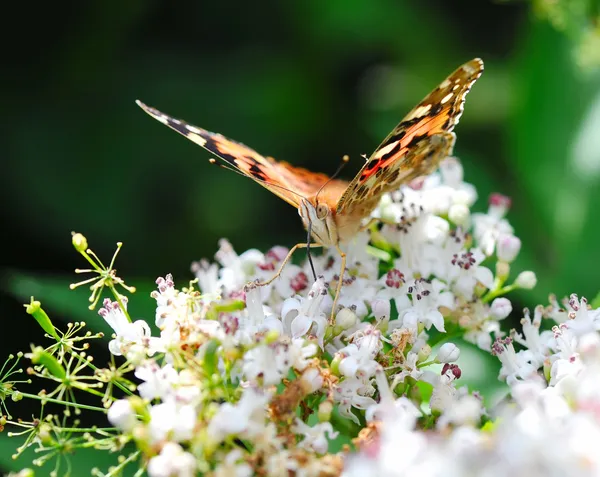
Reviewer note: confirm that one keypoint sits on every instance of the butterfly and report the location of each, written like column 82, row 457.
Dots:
column 333, row 210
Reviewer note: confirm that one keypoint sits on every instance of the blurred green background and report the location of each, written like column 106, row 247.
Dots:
column 305, row 81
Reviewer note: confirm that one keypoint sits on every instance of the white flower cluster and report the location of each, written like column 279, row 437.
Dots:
column 247, row 380
column 548, row 425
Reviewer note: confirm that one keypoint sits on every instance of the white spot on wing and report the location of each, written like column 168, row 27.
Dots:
column 384, row 150
column 447, row 98
column 197, row 139
column 419, row 112
column 193, row 129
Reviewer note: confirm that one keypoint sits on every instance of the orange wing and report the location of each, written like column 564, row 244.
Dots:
column 286, row 181
column 416, row 146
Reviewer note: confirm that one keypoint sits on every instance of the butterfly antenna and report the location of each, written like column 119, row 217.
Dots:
column 262, row 181
column 345, row 160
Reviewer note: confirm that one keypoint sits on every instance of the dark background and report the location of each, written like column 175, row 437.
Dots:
column 305, row 81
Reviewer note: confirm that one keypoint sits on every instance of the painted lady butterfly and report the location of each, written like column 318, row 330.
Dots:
column 333, row 210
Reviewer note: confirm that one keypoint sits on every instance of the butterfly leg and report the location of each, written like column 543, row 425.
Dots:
column 287, row 259
column 338, row 288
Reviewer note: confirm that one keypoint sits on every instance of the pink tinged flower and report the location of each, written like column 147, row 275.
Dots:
column 353, row 392
column 409, row 368
column 466, row 272
column 537, row 343
column 267, row 363
column 122, row 415
column 358, row 358
column 257, row 318
column 236, row 269
column 515, row 366
column 315, row 438
column 130, row 338
column 507, row 247
column 448, row 353
column 158, row 382
column 300, row 316
column 208, row 277
column 426, row 298
column 500, row 308
column 582, row 320
column 488, row 227
column 172, row 421
column 172, row 461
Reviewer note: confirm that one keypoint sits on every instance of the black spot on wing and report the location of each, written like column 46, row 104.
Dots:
column 395, row 150
column 372, row 164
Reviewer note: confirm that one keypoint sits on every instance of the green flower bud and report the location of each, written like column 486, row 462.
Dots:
column 34, row 308
column 40, row 356
column 79, row 242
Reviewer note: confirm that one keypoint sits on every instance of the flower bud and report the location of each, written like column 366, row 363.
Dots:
column 526, row 280
column 459, row 214
column 424, row 353
column 345, row 318
column 448, row 353
column 508, row 247
column 381, row 309
column 501, row 308
column 79, row 242
column 40, row 356
column 312, row 380
column 324, row 412
column 34, row 308
column 502, row 270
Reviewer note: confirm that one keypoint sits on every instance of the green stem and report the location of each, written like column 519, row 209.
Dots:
column 500, row 291
column 64, row 403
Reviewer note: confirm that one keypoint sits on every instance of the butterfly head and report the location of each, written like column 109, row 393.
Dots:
column 318, row 218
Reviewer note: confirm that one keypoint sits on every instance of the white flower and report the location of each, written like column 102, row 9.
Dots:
column 316, row 437
column 171, row 420
column 245, row 418
column 172, row 461
column 130, row 338
column 425, row 300
column 359, row 356
column 538, row 344
column 269, row 363
column 237, row 270
column 233, row 465
column 467, row 272
column 158, row 382
column 299, row 316
column 515, row 366
column 353, row 392
column 488, row 227
column 122, row 415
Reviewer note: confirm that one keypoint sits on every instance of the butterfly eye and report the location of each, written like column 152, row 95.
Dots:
column 322, row 211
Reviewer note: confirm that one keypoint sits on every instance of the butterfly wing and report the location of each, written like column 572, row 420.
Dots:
column 288, row 182
column 416, row 146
